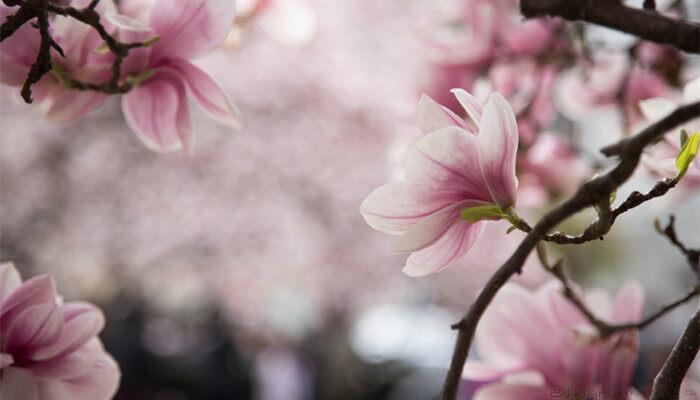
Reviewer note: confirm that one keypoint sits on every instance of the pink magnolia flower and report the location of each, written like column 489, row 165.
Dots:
column 78, row 41
column 157, row 109
column 642, row 84
column 516, row 363
column 50, row 350
column 458, row 164
column 662, row 157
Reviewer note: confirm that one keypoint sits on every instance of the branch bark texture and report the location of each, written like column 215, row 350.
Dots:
column 646, row 24
column 667, row 383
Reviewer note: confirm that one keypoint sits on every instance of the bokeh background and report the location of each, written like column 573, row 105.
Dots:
column 244, row 270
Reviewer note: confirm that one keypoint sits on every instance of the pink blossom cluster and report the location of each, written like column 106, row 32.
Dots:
column 546, row 68
column 556, row 352
column 157, row 108
column 49, row 350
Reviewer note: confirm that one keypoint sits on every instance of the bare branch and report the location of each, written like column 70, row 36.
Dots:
column 667, row 383
column 646, row 24
column 692, row 255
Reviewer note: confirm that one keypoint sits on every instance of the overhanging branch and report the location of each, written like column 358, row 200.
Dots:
column 646, row 24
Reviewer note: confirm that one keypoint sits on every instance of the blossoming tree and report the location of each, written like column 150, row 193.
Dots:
column 488, row 138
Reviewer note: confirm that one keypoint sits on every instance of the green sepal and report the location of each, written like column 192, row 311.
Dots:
column 487, row 211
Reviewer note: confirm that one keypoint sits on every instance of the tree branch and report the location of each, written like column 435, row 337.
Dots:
column 605, row 220
column 692, row 255
column 667, row 383
column 592, row 192
column 646, row 24
column 605, row 329
column 41, row 9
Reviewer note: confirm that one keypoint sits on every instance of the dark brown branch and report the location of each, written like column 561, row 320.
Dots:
column 592, row 192
column 692, row 255
column 40, row 10
column 667, row 383
column 646, row 24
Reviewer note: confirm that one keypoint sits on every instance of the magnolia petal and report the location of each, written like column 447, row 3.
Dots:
column 82, row 321
column 629, row 303
column 483, row 371
column 11, row 73
column 17, row 384
column 513, row 392
column 21, row 47
column 9, row 280
column 458, row 239
column 443, row 167
column 498, row 146
column 38, row 290
column 515, row 309
column 35, row 327
column 432, row 116
column 471, row 105
column 430, row 229
column 390, row 209
column 691, row 91
column 70, row 105
column 617, row 364
column 97, row 382
column 158, row 113
column 656, row 108
column 208, row 94
column 190, row 29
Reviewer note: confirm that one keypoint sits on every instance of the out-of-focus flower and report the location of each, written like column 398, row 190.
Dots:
column 555, row 165
column 450, row 169
column 609, row 81
column 293, row 23
column 50, row 350
column 527, row 86
column 661, row 159
column 518, row 364
column 583, row 89
column 157, row 109
column 79, row 42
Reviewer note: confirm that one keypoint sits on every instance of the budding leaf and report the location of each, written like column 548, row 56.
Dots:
column 488, row 211
column 687, row 154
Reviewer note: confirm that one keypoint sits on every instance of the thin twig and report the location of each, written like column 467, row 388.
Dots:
column 605, row 329
column 602, row 225
column 692, row 255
